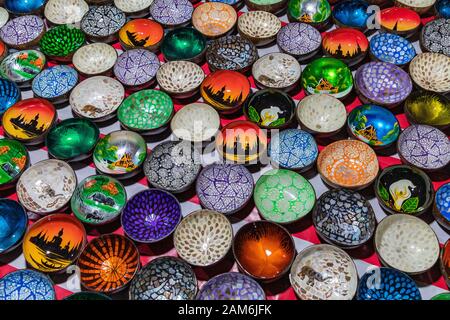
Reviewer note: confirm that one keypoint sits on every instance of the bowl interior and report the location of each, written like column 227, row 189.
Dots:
column 171, row 13
column 23, row 6
column 392, row 48
column 259, row 24
column 434, row 34
column 443, row 202
column 22, row 66
column 103, row 21
column 15, row 157
column 231, row 53
column 183, row 44
column 95, row 58
column 214, row 18
column 399, row 20
column 44, row 84
column 428, row 108
column 62, row 41
column 180, row 76
column 131, row 6
column 431, row 71
column 141, row 33
column 26, row 284
column 417, row 3
column 299, row 39
column 9, row 94
column 22, row 30
column 276, row 70
column 351, row 13
column 65, row 11
column 14, row 224
column 445, row 258
column 136, row 67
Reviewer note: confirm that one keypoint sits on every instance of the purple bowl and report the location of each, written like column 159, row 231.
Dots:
column 382, row 83
column 231, row 286
column 424, row 147
column 136, row 67
column 300, row 40
column 151, row 215
column 22, row 32
column 172, row 13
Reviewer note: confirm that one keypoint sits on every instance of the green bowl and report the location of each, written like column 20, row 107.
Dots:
column 61, row 42
column 184, row 44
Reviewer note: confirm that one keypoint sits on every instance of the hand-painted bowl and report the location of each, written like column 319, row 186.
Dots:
column 314, row 12
column 293, row 149
column 164, row 278
column 29, row 120
column 441, row 296
column 14, row 159
column 55, row 83
column 87, row 296
column 95, row 59
column 260, row 27
column 445, row 262
column 146, row 111
column 231, row 286
column 68, row 12
column 231, row 53
column 3, row 50
column 327, row 75
column 196, row 122
column 324, row 272
column 272, row 6
column 136, row 68
column 173, row 166
column 134, row 8
column 392, row 48
column 141, row 33
column 225, row 188
column 225, row 90
column 4, row 16
column 13, row 224
column 402, row 21
column 26, row 284
column 9, row 94
column 347, row 44
column 442, row 8
column 387, row 284
column 299, row 40
column 374, row 125
column 352, row 14
column 263, row 250
column 214, row 19
column 61, row 42
column 180, row 79
column 120, row 154
column 424, row 147
column 270, row 109
column 23, row 32
column 434, row 34
column 184, row 44
column 283, row 196
column 441, row 209
column 350, row 164
column 54, row 242
column 424, row 107
column 406, row 243
column 102, row 23
column 22, row 66
column 108, row 263
column 429, row 71
column 97, row 98
column 419, row 6
column 241, row 142
column 203, row 238
column 172, row 13
column 276, row 71
column 23, row 7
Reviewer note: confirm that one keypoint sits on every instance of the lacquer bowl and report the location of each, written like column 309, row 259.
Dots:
column 433, row 37
column 231, row 53
column 136, row 68
column 134, row 8
column 347, row 44
column 293, row 149
column 276, row 71
column 29, row 120
column 214, row 19
column 441, row 208
column 172, row 13
column 13, row 224
column 374, row 125
column 69, row 12
column 87, row 296
column 270, row 109
column 419, row 6
column 164, row 278
column 146, row 111
column 382, row 83
column 402, row 21
column 263, row 250
column 225, row 90
column 321, row 114
column 196, row 122
column 283, row 196
column 442, row 7
column 23, row 32
column 120, row 154
column 299, row 40
column 424, row 147
column 441, row 296
column 141, row 33
column 61, row 42
column 55, row 83
column 95, row 59
column 231, row 286
column 15, row 159
column 180, row 79
column 260, row 27
column 54, row 242
column 3, row 50
column 97, row 98
column 445, row 262
column 424, row 107
column 26, row 284
column 350, row 164
column 392, row 48
column 388, row 284
column 173, row 166
column 22, row 66
column 429, row 71
column 9, row 94
column 203, row 238
column 184, row 44
column 327, row 75
column 406, row 243
column 4, row 16
column 314, row 12
column 23, row 7
column 272, row 6
column 102, row 23
column 235, row 3
column 352, row 14
column 225, row 188
column 318, row 262
column 108, row 263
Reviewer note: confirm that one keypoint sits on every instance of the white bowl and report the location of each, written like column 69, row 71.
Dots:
column 65, row 11
column 4, row 16
column 180, row 78
column 132, row 7
column 95, row 59
column 277, row 71
column 431, row 71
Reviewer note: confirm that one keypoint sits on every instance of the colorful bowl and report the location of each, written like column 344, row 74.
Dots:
column 68, row 12
column 54, row 242
column 276, row 71
column 424, row 107
column 22, row 66
column 134, row 8
column 402, row 21
column 214, row 19
column 299, row 40
column 102, row 23
column 445, row 262
column 61, row 42
column 136, row 68
column 9, row 94
column 23, row 7
column 441, row 296
column 260, row 27
column 392, row 48
column 172, row 13
column 263, row 250
column 429, row 71
column 346, row 44
column 283, row 196
column 164, row 278
column 23, row 32
column 108, row 263
column 13, row 224
column 324, row 272
column 141, row 33
column 173, row 166
column 433, row 37
column 272, row 6
column 314, row 12
column 184, row 44
column 87, row 296
column 55, row 83
column 95, row 59
column 387, row 284
column 180, row 79
column 14, row 161
column 225, row 188
column 3, row 50
column 235, row 3
column 419, row 6
column 352, row 14
column 120, row 154
column 26, row 285
column 442, row 8
column 350, row 164
column 441, row 209
column 4, row 16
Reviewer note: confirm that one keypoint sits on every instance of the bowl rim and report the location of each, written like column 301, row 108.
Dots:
column 173, row 62
column 43, row 275
column 197, row 11
column 268, row 15
column 19, row 240
column 89, row 46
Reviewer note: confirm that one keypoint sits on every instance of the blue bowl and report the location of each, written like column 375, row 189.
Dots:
column 443, row 8
column 230, row 2
column 26, row 285
column 13, row 224
column 9, row 94
column 24, row 6
column 55, row 83
column 441, row 210
column 387, row 284
column 351, row 13
column 392, row 48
